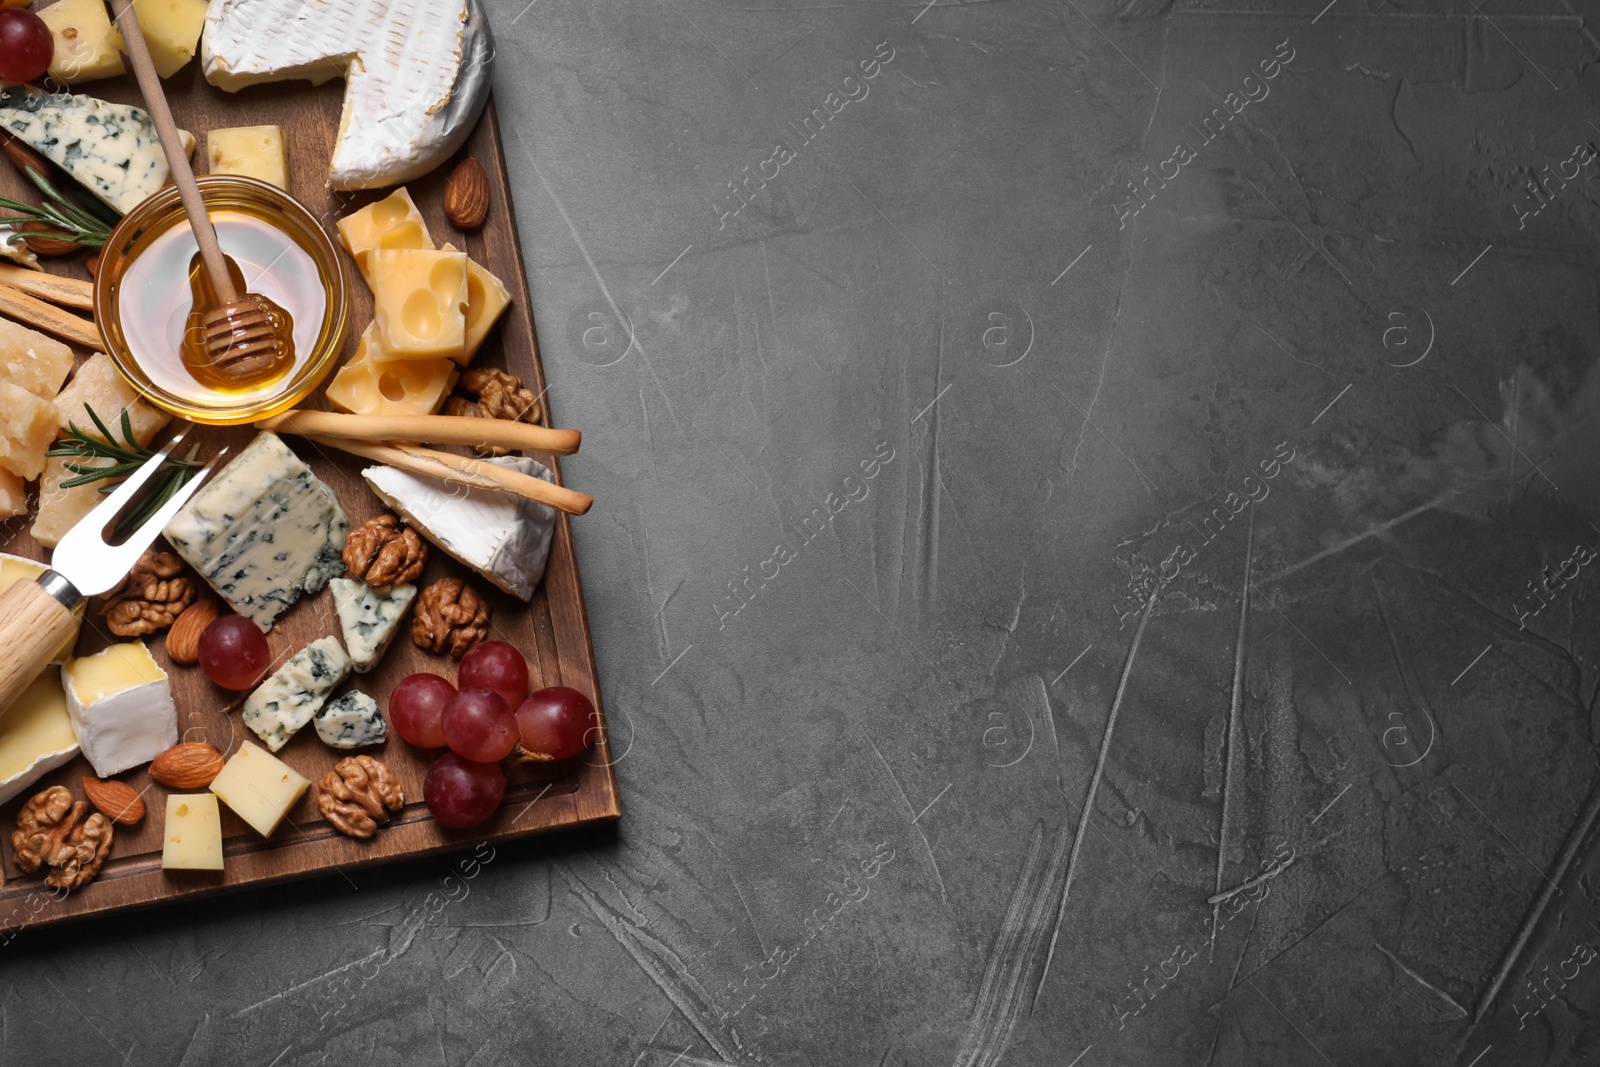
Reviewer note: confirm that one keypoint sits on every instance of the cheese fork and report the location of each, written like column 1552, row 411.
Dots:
column 37, row 616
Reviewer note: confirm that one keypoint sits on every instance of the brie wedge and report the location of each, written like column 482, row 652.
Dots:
column 503, row 537
column 121, row 707
column 36, row 735
column 417, row 73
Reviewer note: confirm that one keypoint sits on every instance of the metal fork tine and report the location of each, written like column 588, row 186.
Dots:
column 107, row 509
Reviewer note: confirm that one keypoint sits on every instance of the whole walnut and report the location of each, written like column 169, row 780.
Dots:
column 150, row 598
column 384, row 551
column 450, row 617
column 500, row 395
column 358, row 795
column 52, row 831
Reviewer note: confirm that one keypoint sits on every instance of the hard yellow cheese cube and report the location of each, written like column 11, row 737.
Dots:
column 87, row 47
column 27, row 430
column 393, row 222
column 253, row 151
column 192, row 838
column 259, row 787
column 172, row 30
column 486, row 300
column 397, row 387
column 30, row 359
column 421, row 303
column 13, row 495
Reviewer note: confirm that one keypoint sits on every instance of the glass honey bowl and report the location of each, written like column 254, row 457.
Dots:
column 142, row 296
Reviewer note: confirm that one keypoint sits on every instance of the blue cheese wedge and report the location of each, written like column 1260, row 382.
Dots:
column 295, row 692
column 263, row 532
column 111, row 148
column 369, row 618
column 351, row 721
column 503, row 537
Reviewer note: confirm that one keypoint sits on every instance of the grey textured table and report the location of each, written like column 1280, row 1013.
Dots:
column 1058, row 465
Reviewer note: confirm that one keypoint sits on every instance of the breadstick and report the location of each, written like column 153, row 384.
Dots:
column 15, row 304
column 464, row 471
column 68, row 292
column 434, row 429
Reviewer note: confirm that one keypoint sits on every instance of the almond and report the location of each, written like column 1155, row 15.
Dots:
column 466, row 194
column 183, row 640
column 36, row 234
column 190, row 765
column 115, row 800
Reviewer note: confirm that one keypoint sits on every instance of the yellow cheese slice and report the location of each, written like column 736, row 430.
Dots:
column 393, row 222
column 172, row 30
column 253, row 151
column 421, row 302
column 191, row 840
column 486, row 300
column 401, row 387
column 259, row 787
column 87, row 47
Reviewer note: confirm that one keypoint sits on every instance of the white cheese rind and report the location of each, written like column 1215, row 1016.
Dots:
column 503, row 537
column 264, row 531
column 417, row 73
column 285, row 702
column 126, row 728
column 351, row 721
column 112, row 149
column 368, row 618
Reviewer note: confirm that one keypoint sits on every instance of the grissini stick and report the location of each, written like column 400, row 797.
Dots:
column 463, row 471
column 434, row 429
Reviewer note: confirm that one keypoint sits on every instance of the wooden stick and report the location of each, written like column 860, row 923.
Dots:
column 68, row 292
column 463, row 471
column 434, row 429
column 16, row 304
column 155, row 102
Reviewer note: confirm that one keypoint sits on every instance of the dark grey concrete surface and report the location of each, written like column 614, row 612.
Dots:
column 1126, row 455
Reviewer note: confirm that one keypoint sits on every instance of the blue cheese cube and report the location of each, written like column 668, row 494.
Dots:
column 351, row 721
column 369, row 618
column 264, row 531
column 287, row 700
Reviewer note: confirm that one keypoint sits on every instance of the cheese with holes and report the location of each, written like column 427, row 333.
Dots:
column 191, row 838
column 98, row 385
column 33, row 360
column 351, row 721
column 172, row 30
column 27, row 430
column 121, row 707
column 390, row 387
column 503, row 537
column 87, row 46
column 487, row 299
column 111, row 149
column 253, row 151
column 264, row 531
column 287, row 700
column 15, row 569
column 369, row 618
column 420, row 298
column 259, row 787
column 35, row 735
column 393, row 222
column 417, row 73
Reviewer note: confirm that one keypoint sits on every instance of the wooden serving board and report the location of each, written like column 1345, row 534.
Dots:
column 552, row 632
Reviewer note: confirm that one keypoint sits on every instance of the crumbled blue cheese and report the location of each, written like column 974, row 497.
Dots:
column 369, row 618
column 351, row 721
column 264, row 531
column 285, row 702
column 111, row 148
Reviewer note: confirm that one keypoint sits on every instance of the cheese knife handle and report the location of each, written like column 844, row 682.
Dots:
column 35, row 622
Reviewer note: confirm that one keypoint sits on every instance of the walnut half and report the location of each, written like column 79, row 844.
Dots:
column 450, row 617
column 384, row 551
column 358, row 795
column 150, row 598
column 53, row 832
column 500, row 396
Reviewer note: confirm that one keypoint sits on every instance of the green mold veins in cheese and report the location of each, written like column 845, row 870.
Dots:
column 287, row 701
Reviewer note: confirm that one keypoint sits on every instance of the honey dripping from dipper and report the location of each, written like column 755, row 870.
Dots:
column 245, row 346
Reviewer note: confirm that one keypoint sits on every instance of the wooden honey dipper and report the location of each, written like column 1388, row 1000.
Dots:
column 229, row 339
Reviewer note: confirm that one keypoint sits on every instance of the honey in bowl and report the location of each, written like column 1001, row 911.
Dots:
column 147, row 288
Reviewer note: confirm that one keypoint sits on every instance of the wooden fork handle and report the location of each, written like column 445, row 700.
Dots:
column 34, row 624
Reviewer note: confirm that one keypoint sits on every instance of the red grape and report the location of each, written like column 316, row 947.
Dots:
column 416, row 707
column 233, row 650
column 478, row 725
column 462, row 793
column 557, row 722
column 496, row 666
column 25, row 45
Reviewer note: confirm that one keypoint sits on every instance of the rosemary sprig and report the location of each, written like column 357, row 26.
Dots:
column 126, row 458
column 67, row 221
